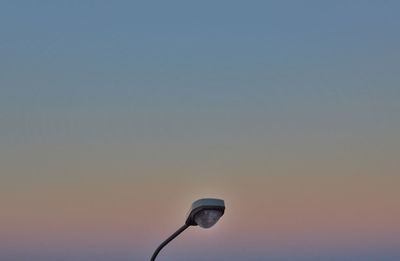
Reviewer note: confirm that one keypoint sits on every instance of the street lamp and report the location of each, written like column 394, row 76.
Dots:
column 203, row 212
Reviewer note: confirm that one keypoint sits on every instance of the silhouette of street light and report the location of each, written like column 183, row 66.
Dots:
column 203, row 212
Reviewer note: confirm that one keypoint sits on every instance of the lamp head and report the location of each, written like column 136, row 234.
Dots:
column 205, row 212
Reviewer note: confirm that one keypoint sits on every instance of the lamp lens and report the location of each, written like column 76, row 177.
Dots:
column 207, row 218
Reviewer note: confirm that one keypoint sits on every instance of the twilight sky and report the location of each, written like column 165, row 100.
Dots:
column 116, row 115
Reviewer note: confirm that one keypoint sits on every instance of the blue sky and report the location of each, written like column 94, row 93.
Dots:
column 198, row 97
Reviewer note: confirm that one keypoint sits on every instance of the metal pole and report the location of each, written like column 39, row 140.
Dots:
column 174, row 235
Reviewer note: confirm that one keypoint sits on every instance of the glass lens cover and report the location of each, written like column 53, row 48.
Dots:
column 207, row 218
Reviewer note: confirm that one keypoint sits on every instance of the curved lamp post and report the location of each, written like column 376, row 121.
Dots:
column 203, row 212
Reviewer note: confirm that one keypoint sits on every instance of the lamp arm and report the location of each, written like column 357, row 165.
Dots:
column 169, row 239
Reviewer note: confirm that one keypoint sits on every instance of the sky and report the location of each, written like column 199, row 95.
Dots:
column 116, row 115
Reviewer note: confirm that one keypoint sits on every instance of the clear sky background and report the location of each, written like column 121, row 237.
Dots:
column 116, row 115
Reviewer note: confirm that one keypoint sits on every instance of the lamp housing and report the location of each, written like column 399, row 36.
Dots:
column 205, row 212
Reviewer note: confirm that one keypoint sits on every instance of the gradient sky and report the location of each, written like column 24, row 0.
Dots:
column 116, row 115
